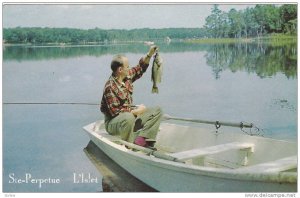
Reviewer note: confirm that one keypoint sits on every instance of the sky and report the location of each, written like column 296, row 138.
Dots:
column 110, row 16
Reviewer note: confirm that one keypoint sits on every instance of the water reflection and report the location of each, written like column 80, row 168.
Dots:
column 264, row 60
column 23, row 53
column 261, row 59
column 115, row 178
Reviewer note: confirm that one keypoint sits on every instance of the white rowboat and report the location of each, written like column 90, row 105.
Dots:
column 194, row 159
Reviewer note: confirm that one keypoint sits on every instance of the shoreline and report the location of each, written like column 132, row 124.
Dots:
column 89, row 44
column 273, row 39
column 269, row 39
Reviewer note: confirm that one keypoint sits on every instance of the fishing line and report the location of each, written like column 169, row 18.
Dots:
column 254, row 131
column 49, row 103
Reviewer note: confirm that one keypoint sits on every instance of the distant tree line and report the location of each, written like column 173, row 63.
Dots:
column 69, row 35
column 252, row 22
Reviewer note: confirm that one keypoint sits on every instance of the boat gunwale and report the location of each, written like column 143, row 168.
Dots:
column 234, row 174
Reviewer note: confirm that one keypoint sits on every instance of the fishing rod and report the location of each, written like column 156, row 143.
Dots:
column 218, row 124
column 49, row 103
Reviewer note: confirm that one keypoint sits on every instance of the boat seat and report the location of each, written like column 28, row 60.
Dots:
column 201, row 152
column 282, row 164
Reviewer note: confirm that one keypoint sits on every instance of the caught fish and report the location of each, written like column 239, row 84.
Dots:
column 156, row 72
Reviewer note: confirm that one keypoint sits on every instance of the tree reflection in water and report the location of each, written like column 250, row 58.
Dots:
column 262, row 59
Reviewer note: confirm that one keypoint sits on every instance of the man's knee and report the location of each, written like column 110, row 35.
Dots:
column 158, row 111
column 128, row 121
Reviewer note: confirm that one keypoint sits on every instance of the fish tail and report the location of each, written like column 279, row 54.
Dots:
column 155, row 89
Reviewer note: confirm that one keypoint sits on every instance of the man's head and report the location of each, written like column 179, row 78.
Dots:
column 119, row 66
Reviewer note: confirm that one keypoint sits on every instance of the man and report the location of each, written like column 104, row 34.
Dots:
column 136, row 124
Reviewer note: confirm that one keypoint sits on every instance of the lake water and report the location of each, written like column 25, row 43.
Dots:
column 252, row 83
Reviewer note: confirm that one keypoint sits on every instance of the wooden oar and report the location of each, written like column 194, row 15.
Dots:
column 218, row 124
column 149, row 151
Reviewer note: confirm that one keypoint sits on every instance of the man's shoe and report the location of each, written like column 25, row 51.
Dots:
column 150, row 142
column 139, row 140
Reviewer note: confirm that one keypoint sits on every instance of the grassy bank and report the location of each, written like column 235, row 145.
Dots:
column 218, row 40
column 278, row 39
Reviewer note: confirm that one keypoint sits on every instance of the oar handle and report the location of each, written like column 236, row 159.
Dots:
column 149, row 151
column 216, row 123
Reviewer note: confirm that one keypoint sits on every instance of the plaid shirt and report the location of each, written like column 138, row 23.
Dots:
column 117, row 97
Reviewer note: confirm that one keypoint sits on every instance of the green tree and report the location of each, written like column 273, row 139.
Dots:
column 213, row 22
column 257, row 21
column 236, row 22
column 288, row 15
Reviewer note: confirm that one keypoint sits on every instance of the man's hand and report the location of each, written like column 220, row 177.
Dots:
column 152, row 50
column 139, row 110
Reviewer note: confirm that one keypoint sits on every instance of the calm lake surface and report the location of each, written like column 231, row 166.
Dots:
column 252, row 83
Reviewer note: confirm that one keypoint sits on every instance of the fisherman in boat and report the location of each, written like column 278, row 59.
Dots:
column 136, row 124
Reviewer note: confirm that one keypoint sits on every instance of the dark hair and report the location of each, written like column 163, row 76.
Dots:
column 116, row 62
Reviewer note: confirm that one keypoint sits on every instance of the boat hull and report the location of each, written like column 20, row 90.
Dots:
column 168, row 176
